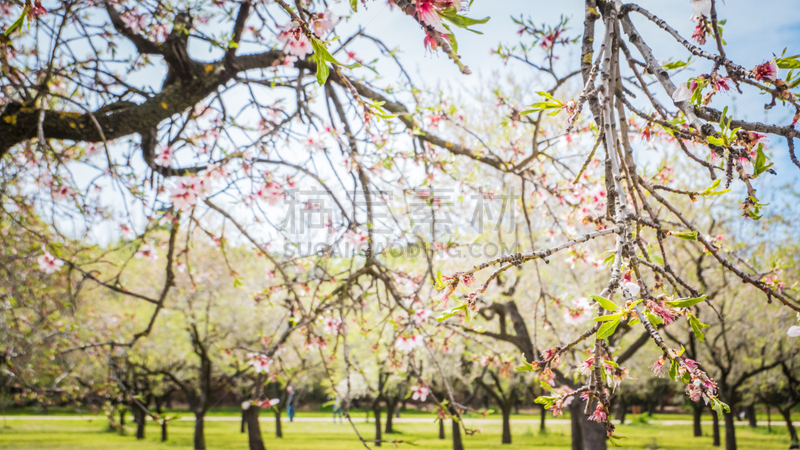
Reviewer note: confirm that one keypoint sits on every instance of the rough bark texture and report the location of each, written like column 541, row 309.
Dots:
column 594, row 433
column 542, row 417
column 697, row 418
column 253, row 428
column 751, row 416
column 621, row 409
column 391, row 404
column 506, row 425
column 730, row 431
column 199, row 435
column 456, row 430
column 141, row 421
column 376, row 411
column 787, row 416
column 575, row 413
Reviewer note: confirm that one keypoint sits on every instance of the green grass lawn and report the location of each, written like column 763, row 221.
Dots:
column 84, row 434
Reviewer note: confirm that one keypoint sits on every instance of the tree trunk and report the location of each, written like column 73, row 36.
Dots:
column 441, row 429
column 457, row 445
column 621, row 409
column 163, row 430
column 575, row 413
column 243, row 425
column 730, row 431
column 278, row 427
column 141, row 421
column 594, row 433
column 542, row 417
column 253, row 428
column 506, row 410
column 199, row 434
column 769, row 419
column 697, row 419
column 376, row 411
column 787, row 416
column 715, row 427
column 122, row 417
column 390, row 406
column 751, row 415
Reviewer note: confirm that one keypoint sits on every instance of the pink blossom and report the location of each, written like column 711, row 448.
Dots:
column 49, row 263
column 333, row 325
column 260, row 362
column 659, row 309
column 632, row 288
column 766, row 71
column 37, row 9
column 701, row 7
column 269, row 403
column 407, row 344
column 126, row 231
column 421, row 316
column 427, row 14
column 164, row 158
column 147, row 251
column 62, row 192
column 682, row 94
column 324, row 23
column 187, row 191
column 297, row 44
column 354, row 237
column 586, row 366
column 270, row 192
column 599, row 414
column 419, row 393
column 658, row 366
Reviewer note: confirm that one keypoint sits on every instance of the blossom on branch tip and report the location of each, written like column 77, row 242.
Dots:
column 260, row 362
column 682, row 94
column 419, row 393
column 793, row 331
column 766, row 71
column 49, row 263
column 324, row 23
column 147, row 251
column 427, row 14
column 701, row 7
column 599, row 414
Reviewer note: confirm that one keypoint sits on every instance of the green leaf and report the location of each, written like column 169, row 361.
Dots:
column 686, row 302
column 607, row 329
column 608, row 317
column 452, row 312
column 451, row 15
column 17, row 23
column 673, row 369
column 688, row 235
column 322, row 56
column 354, row 5
column 655, row 320
column 697, row 327
column 439, row 282
column 633, row 321
column 606, row 303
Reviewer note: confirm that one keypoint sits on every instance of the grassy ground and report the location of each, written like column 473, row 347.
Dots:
column 62, row 434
